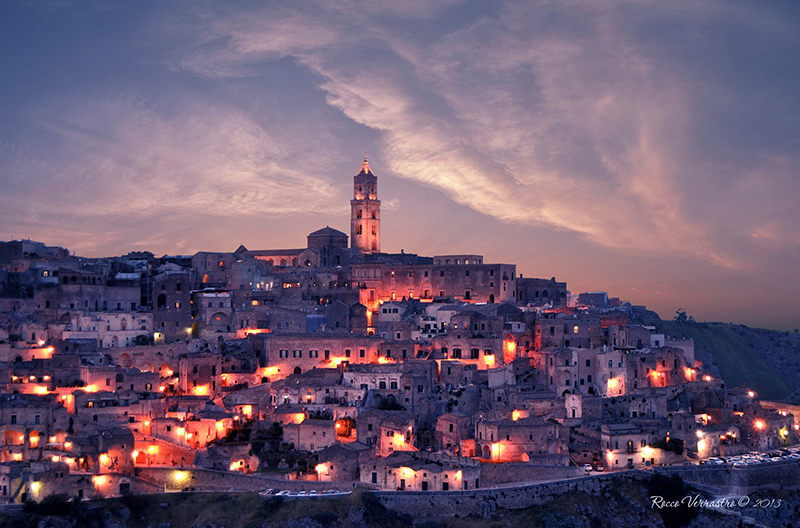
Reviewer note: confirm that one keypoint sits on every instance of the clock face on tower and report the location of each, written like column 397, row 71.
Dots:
column 365, row 211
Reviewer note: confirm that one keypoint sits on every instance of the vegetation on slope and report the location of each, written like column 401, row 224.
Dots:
column 766, row 361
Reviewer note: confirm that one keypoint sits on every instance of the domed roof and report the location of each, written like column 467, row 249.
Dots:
column 327, row 231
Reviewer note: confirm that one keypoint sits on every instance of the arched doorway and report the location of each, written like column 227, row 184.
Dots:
column 298, row 370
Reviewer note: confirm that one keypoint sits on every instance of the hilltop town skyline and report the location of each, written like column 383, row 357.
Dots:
column 643, row 149
column 342, row 366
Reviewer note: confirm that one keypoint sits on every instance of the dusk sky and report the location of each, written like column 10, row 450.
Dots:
column 651, row 150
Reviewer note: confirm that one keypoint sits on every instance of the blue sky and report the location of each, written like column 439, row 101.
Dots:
column 649, row 149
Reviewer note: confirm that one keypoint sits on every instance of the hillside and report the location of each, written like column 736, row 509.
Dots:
column 767, row 361
column 626, row 504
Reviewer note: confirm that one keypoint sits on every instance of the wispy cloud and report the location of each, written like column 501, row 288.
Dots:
column 642, row 127
column 534, row 114
column 120, row 158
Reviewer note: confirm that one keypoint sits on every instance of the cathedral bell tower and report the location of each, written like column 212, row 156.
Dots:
column 365, row 212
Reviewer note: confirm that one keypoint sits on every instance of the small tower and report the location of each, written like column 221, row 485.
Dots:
column 365, row 211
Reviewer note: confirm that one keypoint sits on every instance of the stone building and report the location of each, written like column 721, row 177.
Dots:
column 172, row 310
column 340, row 462
column 416, row 472
column 310, row 435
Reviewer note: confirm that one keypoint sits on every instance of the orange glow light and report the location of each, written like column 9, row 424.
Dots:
column 760, row 424
column 399, row 439
column 220, row 425
column 152, row 449
column 515, row 415
column 103, row 458
column 41, row 390
column 751, row 394
column 67, row 445
column 510, row 346
column 99, row 480
column 134, row 455
column 55, row 458
column 251, row 331
column 707, row 378
column 90, row 388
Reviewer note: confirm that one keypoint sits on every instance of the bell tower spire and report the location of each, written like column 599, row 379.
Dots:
column 365, row 211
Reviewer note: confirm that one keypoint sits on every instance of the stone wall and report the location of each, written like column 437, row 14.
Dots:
column 213, row 480
column 517, row 497
column 739, row 481
column 524, row 472
column 728, row 480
